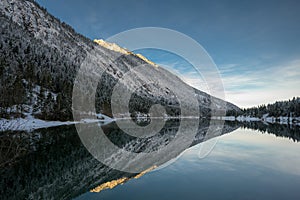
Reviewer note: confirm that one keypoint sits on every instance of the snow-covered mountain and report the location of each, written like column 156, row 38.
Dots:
column 39, row 51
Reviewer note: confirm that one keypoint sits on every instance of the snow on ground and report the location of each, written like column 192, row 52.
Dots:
column 265, row 119
column 30, row 123
column 239, row 118
column 247, row 119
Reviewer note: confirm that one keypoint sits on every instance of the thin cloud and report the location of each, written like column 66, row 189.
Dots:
column 264, row 86
column 251, row 87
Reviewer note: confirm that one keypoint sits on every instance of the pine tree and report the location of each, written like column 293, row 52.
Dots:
column 19, row 94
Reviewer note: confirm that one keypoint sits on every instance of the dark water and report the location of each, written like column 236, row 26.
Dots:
column 244, row 161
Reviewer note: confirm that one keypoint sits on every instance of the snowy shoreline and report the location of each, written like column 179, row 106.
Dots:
column 30, row 123
column 265, row 119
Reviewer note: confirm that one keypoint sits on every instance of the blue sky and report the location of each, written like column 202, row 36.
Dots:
column 255, row 44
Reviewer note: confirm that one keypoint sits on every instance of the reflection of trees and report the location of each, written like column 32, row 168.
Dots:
column 11, row 148
column 60, row 167
column 280, row 130
column 203, row 135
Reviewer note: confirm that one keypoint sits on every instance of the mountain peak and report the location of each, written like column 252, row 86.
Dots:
column 117, row 48
column 112, row 46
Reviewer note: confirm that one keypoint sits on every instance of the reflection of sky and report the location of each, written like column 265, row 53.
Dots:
column 244, row 164
column 260, row 150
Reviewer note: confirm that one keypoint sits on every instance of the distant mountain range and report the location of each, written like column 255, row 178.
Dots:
column 39, row 60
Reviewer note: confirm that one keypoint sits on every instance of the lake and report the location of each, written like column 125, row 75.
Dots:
column 249, row 160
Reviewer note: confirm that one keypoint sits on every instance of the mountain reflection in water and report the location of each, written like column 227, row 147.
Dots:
column 53, row 163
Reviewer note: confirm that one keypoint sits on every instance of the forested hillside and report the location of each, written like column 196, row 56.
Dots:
column 39, row 60
column 289, row 108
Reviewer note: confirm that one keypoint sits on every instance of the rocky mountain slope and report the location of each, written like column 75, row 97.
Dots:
column 39, row 60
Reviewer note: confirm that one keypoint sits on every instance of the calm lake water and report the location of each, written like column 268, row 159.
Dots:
column 245, row 161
